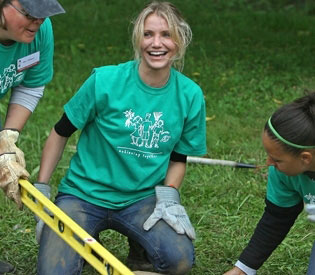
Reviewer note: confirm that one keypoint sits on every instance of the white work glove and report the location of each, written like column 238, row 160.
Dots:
column 8, row 138
column 310, row 209
column 10, row 173
column 169, row 209
column 45, row 190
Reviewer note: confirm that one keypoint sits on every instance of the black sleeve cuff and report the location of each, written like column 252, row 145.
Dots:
column 64, row 127
column 176, row 157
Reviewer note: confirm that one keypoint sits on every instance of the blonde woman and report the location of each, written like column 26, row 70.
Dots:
column 139, row 121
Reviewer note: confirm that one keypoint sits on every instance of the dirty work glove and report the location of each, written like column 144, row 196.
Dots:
column 10, row 173
column 45, row 190
column 8, row 138
column 169, row 209
column 310, row 209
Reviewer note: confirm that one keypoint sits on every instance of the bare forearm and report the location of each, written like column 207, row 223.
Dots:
column 51, row 155
column 175, row 173
column 17, row 117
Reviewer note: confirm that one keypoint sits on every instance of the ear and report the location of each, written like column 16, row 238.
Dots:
column 306, row 157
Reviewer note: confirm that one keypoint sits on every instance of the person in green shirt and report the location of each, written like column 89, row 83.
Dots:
column 139, row 120
column 289, row 140
column 26, row 66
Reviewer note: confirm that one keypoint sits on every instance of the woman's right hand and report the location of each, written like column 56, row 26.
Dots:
column 235, row 271
column 310, row 209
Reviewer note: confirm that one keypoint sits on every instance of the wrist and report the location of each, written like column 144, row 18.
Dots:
column 43, row 188
column 40, row 182
column 11, row 129
column 172, row 185
column 9, row 134
column 245, row 269
column 167, row 193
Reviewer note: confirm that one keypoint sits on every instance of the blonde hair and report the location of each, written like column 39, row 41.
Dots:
column 179, row 29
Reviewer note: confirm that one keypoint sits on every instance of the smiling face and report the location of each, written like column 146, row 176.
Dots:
column 18, row 27
column 157, row 46
column 285, row 162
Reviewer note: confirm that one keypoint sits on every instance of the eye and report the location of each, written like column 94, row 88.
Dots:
column 274, row 160
column 147, row 34
column 166, row 34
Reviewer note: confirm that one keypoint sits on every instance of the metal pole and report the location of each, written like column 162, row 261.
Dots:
column 222, row 162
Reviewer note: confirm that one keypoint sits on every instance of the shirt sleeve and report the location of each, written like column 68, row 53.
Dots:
column 193, row 138
column 42, row 73
column 27, row 97
column 81, row 108
column 269, row 233
column 280, row 189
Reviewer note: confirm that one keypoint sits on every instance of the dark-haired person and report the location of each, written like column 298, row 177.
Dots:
column 289, row 141
column 139, row 121
column 26, row 66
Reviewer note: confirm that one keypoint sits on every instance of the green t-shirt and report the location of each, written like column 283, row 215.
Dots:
column 128, row 132
column 287, row 191
column 35, row 76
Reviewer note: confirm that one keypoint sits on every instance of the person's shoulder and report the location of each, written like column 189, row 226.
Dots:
column 273, row 172
column 45, row 32
column 114, row 69
column 185, row 81
column 46, row 26
column 187, row 87
column 181, row 76
column 275, row 175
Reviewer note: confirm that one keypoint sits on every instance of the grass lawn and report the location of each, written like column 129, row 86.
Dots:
column 249, row 57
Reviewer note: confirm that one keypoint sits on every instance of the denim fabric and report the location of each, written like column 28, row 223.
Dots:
column 168, row 251
column 311, row 266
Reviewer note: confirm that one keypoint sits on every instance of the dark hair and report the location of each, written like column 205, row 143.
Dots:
column 295, row 122
column 3, row 3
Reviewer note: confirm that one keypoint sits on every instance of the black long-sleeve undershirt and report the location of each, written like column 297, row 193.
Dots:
column 270, row 231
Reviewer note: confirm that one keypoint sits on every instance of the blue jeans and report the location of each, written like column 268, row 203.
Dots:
column 168, row 251
column 311, row 266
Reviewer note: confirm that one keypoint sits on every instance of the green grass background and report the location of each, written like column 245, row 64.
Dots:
column 249, row 57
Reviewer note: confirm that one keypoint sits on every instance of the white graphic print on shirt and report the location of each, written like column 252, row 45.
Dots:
column 311, row 198
column 146, row 133
column 9, row 77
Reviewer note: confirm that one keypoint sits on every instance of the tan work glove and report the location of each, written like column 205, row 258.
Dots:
column 10, row 173
column 8, row 138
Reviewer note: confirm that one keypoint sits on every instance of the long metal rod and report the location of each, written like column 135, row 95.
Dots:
column 105, row 263
column 208, row 161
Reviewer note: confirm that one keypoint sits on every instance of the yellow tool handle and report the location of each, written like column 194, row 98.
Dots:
column 70, row 232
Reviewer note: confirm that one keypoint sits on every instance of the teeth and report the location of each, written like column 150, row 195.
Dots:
column 157, row 53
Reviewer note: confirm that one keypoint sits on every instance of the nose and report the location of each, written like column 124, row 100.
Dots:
column 156, row 41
